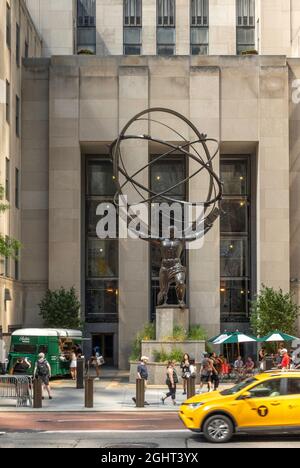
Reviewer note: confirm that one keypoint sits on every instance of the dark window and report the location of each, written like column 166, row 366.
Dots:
column 7, row 102
column 17, row 188
column 132, row 12
column 102, row 256
column 100, row 180
column 132, row 41
column 293, row 387
column 8, row 25
column 17, row 116
column 235, row 245
column 6, row 262
column 199, row 27
column 269, row 389
column 25, row 349
column 18, row 45
column 245, row 34
column 17, row 266
column 166, row 31
column 86, row 25
column 164, row 174
column 7, row 179
column 26, row 53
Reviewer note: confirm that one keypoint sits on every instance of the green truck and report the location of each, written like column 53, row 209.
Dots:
column 56, row 344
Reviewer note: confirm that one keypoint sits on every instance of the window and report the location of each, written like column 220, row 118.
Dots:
column 17, row 188
column 132, row 27
column 6, row 261
column 17, row 116
column 102, row 255
column 245, row 25
column 8, row 25
column 269, row 389
column 164, row 174
column 26, row 52
column 18, row 45
column 133, row 13
column 293, row 387
column 7, row 179
column 166, row 32
column 17, row 266
column 86, row 25
column 7, row 102
column 235, row 246
column 199, row 27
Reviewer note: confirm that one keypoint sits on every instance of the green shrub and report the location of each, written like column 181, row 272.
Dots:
column 61, row 309
column 197, row 333
column 147, row 334
column 163, row 357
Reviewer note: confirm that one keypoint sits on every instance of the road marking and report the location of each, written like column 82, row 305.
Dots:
column 120, row 431
column 62, row 421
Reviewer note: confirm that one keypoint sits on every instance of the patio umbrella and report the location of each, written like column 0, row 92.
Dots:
column 236, row 338
column 218, row 337
column 277, row 336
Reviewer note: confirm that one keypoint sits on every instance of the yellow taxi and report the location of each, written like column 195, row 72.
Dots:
column 267, row 402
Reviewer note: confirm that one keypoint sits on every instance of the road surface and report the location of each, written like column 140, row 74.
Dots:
column 100, row 430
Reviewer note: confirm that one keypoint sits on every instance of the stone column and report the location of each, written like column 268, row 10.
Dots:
column 182, row 27
column 149, row 27
column 35, row 186
column 274, row 180
column 222, row 27
column 109, row 27
column 64, row 177
column 204, row 263
column 133, row 254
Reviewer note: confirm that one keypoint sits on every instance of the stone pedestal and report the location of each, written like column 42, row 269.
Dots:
column 167, row 318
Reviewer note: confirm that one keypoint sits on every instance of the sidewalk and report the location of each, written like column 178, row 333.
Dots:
column 111, row 393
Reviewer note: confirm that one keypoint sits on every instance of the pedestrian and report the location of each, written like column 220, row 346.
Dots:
column 22, row 366
column 239, row 368
column 249, row 367
column 73, row 365
column 143, row 374
column 286, row 360
column 206, row 372
column 171, row 382
column 186, row 372
column 97, row 360
column 216, row 371
column 42, row 371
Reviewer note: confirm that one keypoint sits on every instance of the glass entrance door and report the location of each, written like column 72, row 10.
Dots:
column 106, row 344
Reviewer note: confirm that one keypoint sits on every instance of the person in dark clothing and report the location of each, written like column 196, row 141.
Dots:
column 217, row 370
column 21, row 367
column 171, row 382
column 143, row 374
column 185, row 367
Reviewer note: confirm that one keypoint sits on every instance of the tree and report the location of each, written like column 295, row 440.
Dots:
column 61, row 309
column 274, row 310
column 8, row 246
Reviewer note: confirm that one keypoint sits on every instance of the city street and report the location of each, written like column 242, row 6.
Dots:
column 105, row 430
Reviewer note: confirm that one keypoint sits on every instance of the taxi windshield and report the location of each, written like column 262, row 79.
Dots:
column 237, row 388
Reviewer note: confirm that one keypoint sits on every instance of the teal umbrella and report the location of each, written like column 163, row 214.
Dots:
column 277, row 336
column 237, row 338
column 219, row 337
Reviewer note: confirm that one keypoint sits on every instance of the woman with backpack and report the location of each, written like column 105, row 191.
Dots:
column 171, row 382
column 42, row 371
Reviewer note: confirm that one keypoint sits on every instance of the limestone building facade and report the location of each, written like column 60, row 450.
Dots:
column 231, row 67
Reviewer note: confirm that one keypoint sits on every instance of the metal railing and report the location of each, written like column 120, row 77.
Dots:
column 16, row 387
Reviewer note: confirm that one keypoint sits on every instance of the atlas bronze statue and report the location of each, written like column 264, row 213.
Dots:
column 171, row 247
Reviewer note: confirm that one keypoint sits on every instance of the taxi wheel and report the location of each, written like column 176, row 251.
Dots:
column 218, row 429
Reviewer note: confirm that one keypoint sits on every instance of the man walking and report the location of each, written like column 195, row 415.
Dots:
column 42, row 371
column 206, row 372
column 143, row 374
